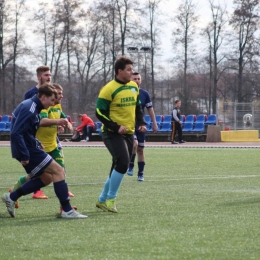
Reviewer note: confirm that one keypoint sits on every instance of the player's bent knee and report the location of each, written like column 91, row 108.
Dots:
column 46, row 178
column 140, row 150
column 54, row 169
column 122, row 167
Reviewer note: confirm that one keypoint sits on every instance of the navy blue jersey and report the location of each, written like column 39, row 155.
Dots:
column 31, row 92
column 145, row 99
column 24, row 124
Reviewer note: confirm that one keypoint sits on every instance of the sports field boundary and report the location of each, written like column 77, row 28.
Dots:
column 163, row 144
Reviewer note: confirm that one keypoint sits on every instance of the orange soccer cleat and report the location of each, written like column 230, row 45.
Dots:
column 39, row 195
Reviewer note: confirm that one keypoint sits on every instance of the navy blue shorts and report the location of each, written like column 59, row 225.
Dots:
column 39, row 160
column 140, row 137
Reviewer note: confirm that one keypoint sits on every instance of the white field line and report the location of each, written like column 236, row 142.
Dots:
column 162, row 180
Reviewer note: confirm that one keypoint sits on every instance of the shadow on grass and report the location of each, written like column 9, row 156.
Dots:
column 243, row 202
column 22, row 220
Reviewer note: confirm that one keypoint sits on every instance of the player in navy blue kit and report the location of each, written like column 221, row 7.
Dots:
column 43, row 75
column 39, row 165
column 139, row 136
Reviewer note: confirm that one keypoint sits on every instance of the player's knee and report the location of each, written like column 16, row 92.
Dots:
column 46, row 178
column 140, row 150
column 55, row 169
column 122, row 167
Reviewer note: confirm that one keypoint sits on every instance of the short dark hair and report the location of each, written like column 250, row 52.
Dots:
column 42, row 69
column 121, row 63
column 47, row 89
column 177, row 101
column 136, row 73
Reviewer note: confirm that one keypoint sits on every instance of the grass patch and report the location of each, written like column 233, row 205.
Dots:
column 193, row 204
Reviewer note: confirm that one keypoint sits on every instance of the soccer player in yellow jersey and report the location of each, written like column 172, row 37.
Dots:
column 118, row 108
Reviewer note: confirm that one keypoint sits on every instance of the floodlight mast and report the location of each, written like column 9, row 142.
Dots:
column 138, row 51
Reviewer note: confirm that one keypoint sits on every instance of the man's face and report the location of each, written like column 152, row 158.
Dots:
column 45, row 77
column 47, row 101
column 178, row 104
column 59, row 96
column 137, row 79
column 126, row 74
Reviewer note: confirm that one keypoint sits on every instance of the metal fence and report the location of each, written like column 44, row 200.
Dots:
column 239, row 116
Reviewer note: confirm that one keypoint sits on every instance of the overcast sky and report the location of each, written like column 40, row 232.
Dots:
column 169, row 9
column 204, row 13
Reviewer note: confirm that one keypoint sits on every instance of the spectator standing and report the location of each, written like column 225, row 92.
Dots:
column 176, row 123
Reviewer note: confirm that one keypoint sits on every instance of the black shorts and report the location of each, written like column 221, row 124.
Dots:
column 120, row 148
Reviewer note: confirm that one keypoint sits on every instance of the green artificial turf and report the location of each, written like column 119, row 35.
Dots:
column 195, row 203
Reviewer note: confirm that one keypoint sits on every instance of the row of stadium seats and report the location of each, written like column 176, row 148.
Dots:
column 208, row 120
column 5, row 118
column 191, row 123
column 5, row 122
column 5, row 126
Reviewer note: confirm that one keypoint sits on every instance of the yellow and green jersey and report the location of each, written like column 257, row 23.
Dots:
column 47, row 135
column 116, row 106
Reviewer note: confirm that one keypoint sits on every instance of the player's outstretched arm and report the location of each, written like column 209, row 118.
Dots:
column 49, row 122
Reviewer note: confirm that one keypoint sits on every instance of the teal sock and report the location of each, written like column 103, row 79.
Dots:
column 103, row 195
column 141, row 168
column 115, row 182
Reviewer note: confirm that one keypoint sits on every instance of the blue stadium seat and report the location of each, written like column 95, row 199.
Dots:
column 166, row 127
column 2, row 126
column 150, row 127
column 167, row 119
column 187, row 127
column 201, row 118
column 199, row 127
column 190, row 119
column 8, row 126
column 182, row 118
column 212, row 120
column 158, row 119
column 147, row 119
column 98, row 125
column 5, row 118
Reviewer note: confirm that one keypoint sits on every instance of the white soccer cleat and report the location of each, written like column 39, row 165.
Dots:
column 72, row 214
column 10, row 205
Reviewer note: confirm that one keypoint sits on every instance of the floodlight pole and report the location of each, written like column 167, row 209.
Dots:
column 138, row 51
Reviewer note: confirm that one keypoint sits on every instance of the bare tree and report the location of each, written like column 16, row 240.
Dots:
column 11, row 48
column 184, row 36
column 215, row 33
column 89, row 61
column 153, row 7
column 19, row 9
column 245, row 21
